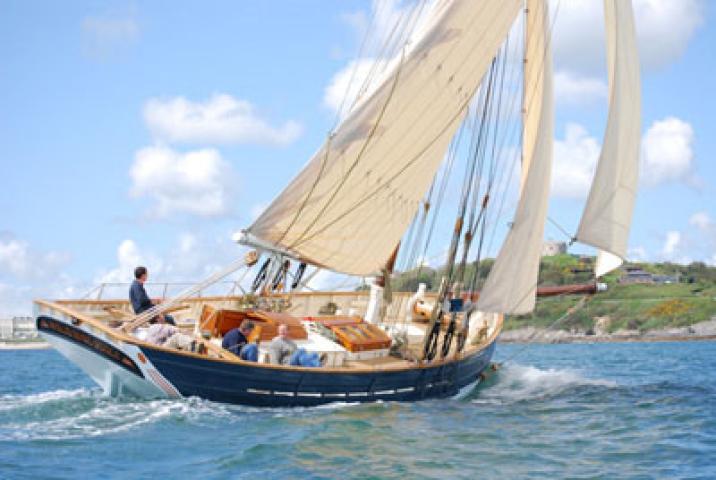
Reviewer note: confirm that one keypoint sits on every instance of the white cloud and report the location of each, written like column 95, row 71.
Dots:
column 192, row 258
column 199, row 182
column 666, row 149
column 697, row 243
column 343, row 88
column 570, row 88
column 257, row 209
column 575, row 159
column 220, row 119
column 19, row 260
column 384, row 16
column 667, row 152
column 27, row 273
column 672, row 242
column 702, row 221
column 128, row 257
column 392, row 23
column 104, row 34
column 16, row 297
column 703, row 241
column 15, row 300
column 664, row 29
column 637, row 254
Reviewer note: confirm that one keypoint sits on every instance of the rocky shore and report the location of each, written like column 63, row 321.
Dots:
column 699, row 331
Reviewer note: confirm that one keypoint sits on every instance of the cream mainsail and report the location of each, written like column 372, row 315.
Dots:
column 351, row 204
column 607, row 215
column 512, row 282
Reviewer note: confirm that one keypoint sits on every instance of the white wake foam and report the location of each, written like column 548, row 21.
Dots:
column 13, row 402
column 514, row 383
column 82, row 413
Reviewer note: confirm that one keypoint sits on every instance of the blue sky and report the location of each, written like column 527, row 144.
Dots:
column 150, row 132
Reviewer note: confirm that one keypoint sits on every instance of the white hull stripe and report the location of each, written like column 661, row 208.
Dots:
column 162, row 383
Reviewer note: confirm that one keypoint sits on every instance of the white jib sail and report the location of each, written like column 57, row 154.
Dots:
column 607, row 215
column 351, row 204
column 512, row 282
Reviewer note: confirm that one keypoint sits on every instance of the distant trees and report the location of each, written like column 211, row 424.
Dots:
column 555, row 270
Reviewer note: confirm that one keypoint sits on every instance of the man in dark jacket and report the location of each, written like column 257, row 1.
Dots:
column 236, row 341
column 139, row 298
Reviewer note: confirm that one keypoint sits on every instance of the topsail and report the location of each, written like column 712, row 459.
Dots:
column 607, row 216
column 350, row 205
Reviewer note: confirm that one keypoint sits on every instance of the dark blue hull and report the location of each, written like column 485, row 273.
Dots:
column 257, row 385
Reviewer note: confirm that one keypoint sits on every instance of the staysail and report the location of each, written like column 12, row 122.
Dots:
column 350, row 205
column 607, row 215
column 512, row 282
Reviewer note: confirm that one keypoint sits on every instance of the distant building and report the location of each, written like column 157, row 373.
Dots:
column 17, row 328
column 551, row 248
column 637, row 275
column 667, row 278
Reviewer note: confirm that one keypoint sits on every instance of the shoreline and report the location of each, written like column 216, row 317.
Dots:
column 586, row 339
column 24, row 345
column 702, row 331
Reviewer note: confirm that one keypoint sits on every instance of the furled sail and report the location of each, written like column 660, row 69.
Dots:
column 512, row 282
column 607, row 215
column 350, row 205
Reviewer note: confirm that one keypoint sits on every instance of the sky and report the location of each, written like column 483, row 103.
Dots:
column 150, row 132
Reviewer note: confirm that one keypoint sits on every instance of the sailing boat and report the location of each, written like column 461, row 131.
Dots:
column 369, row 189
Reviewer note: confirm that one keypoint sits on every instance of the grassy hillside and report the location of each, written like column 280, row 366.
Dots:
column 635, row 307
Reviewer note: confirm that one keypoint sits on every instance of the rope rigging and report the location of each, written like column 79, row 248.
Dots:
column 470, row 184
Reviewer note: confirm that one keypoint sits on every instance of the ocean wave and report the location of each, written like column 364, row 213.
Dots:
column 516, row 383
column 12, row 402
column 82, row 413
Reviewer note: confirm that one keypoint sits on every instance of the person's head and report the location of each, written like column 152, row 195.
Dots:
column 246, row 327
column 283, row 330
column 140, row 273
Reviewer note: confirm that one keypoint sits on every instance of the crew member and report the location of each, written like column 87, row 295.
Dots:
column 139, row 298
column 236, row 341
column 284, row 351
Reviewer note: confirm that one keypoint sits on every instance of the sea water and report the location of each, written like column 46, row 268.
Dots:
column 552, row 411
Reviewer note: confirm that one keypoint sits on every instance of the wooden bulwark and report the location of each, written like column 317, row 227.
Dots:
column 119, row 335
column 68, row 308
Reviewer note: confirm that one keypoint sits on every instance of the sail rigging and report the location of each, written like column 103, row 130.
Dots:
column 608, row 213
column 355, row 198
column 512, row 282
